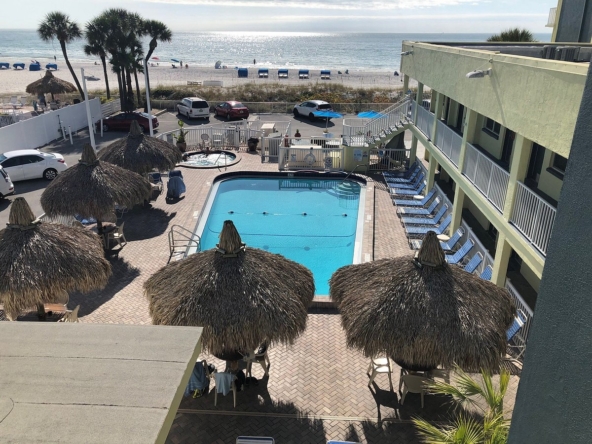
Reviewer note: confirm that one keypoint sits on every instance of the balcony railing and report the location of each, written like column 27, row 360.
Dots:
column 218, row 136
column 487, row 177
column 316, row 157
column 448, row 141
column 552, row 18
column 533, row 217
column 425, row 121
column 388, row 159
column 522, row 337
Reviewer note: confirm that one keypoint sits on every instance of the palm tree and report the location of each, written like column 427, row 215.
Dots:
column 513, row 35
column 97, row 31
column 158, row 32
column 493, row 429
column 57, row 25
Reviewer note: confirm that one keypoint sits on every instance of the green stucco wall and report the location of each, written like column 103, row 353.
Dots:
column 534, row 97
column 549, row 184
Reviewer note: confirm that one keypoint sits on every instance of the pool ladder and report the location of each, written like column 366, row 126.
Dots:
column 180, row 240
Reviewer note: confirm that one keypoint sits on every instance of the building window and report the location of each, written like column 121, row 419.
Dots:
column 492, row 128
column 558, row 165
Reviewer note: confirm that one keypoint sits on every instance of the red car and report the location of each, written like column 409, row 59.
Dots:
column 232, row 110
column 123, row 121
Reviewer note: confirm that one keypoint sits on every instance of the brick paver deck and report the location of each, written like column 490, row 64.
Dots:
column 317, row 388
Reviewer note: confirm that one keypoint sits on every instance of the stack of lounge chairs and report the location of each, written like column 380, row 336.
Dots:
column 325, row 74
column 282, row 73
column 303, row 74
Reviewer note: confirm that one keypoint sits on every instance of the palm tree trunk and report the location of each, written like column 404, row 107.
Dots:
column 121, row 91
column 139, row 97
column 63, row 46
column 104, row 62
column 150, row 52
column 130, row 90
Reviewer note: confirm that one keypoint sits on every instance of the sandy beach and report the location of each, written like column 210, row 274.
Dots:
column 15, row 81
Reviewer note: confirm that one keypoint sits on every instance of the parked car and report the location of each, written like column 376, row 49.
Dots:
column 6, row 186
column 32, row 164
column 232, row 110
column 310, row 106
column 195, row 107
column 123, row 121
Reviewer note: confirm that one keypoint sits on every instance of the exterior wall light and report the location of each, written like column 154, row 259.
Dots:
column 407, row 53
column 478, row 73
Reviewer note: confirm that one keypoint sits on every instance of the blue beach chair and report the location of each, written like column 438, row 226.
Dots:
column 409, row 185
column 403, row 179
column 473, row 263
column 446, row 246
column 408, row 211
column 486, row 273
column 402, row 174
column 415, row 203
column 405, row 192
column 513, row 333
column 460, row 253
column 420, row 231
column 426, row 220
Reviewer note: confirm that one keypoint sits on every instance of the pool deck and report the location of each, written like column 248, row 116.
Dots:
column 317, row 388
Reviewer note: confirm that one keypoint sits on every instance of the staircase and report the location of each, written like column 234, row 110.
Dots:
column 379, row 130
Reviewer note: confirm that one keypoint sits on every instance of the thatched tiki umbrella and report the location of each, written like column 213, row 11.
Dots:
column 241, row 296
column 93, row 188
column 140, row 153
column 50, row 84
column 423, row 312
column 41, row 262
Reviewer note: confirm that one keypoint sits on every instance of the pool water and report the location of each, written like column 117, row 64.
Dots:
column 311, row 221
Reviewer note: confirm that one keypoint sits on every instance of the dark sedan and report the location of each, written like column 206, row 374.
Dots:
column 232, row 110
column 123, row 121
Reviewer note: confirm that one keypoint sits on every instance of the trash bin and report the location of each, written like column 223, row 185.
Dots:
column 252, row 143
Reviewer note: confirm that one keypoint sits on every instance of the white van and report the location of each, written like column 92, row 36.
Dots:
column 194, row 107
column 6, row 186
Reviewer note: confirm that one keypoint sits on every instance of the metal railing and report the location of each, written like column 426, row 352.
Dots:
column 110, row 108
column 425, row 121
column 271, row 141
column 310, row 158
column 448, row 141
column 522, row 337
column 477, row 247
column 552, row 18
column 218, row 136
column 533, row 217
column 181, row 242
column 489, row 178
column 384, row 159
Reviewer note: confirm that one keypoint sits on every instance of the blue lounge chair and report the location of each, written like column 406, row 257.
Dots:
column 460, row 253
column 415, row 203
column 486, row 273
column 512, row 334
column 410, row 185
column 4, row 65
column 404, row 174
column 325, row 74
column 426, row 220
column 419, row 231
column 303, row 74
column 282, row 73
column 473, row 263
column 254, row 440
column 446, row 246
column 263, row 73
column 413, row 172
column 406, row 192
column 409, row 211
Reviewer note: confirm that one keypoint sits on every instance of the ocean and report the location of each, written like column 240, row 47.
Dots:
column 353, row 51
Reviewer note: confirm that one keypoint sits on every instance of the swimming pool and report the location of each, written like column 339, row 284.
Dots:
column 315, row 222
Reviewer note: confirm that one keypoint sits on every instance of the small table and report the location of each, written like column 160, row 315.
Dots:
column 443, row 237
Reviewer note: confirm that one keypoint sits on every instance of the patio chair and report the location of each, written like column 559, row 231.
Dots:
column 380, row 365
column 419, row 231
column 397, row 192
column 475, row 261
column 405, row 174
column 414, row 384
column 254, row 440
column 222, row 379
column 117, row 235
column 259, row 356
column 460, row 253
column 15, row 102
column 446, row 245
column 156, row 180
column 486, row 273
column 513, row 333
column 205, row 141
column 421, row 201
column 427, row 220
column 407, row 211
column 407, row 179
column 71, row 315
column 408, row 185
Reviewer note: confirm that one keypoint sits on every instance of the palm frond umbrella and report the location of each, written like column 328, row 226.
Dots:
column 241, row 296
column 423, row 312
column 93, row 188
column 49, row 84
column 41, row 262
column 140, row 153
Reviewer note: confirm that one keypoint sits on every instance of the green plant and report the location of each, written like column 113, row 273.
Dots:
column 180, row 138
column 465, row 429
column 513, row 35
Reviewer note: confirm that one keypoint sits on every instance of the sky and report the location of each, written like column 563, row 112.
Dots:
column 399, row 16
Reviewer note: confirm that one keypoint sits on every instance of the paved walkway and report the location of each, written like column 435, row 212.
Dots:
column 317, row 388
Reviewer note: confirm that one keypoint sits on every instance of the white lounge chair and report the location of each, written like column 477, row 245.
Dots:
column 15, row 103
column 380, row 365
column 414, row 384
column 71, row 315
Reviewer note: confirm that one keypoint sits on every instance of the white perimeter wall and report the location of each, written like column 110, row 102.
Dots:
column 38, row 131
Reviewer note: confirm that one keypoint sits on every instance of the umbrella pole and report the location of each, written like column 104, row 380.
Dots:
column 99, row 227
column 41, row 312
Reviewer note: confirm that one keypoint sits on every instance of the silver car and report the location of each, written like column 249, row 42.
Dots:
column 32, row 164
column 307, row 108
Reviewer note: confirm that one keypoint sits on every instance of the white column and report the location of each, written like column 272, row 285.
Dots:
column 91, row 131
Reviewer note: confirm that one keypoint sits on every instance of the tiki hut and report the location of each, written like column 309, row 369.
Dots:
column 241, row 296
column 50, row 85
column 140, row 153
column 422, row 312
column 93, row 188
column 41, row 262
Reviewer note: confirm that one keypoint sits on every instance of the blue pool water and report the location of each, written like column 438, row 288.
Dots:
column 269, row 213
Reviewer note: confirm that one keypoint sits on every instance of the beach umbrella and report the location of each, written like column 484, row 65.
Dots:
column 370, row 114
column 50, row 84
column 175, row 60
column 422, row 312
column 327, row 115
column 141, row 153
column 41, row 262
column 241, row 296
column 155, row 58
column 92, row 188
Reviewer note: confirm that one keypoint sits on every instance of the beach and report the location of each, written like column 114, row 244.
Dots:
column 14, row 82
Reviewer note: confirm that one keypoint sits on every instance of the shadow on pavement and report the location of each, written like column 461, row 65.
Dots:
column 146, row 223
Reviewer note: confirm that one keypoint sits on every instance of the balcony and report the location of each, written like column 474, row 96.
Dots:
column 552, row 18
column 425, row 121
column 448, row 141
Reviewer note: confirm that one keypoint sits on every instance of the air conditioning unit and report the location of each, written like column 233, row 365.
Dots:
column 567, row 53
column 549, row 52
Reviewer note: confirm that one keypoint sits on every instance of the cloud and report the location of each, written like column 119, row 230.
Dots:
column 299, row 18
column 326, row 4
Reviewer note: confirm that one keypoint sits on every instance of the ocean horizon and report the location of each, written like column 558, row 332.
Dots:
column 353, row 51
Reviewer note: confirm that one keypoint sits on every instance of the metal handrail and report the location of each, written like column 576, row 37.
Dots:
column 180, row 240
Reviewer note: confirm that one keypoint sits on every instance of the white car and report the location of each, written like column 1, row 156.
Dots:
column 194, row 107
column 32, row 164
column 6, row 186
column 307, row 108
